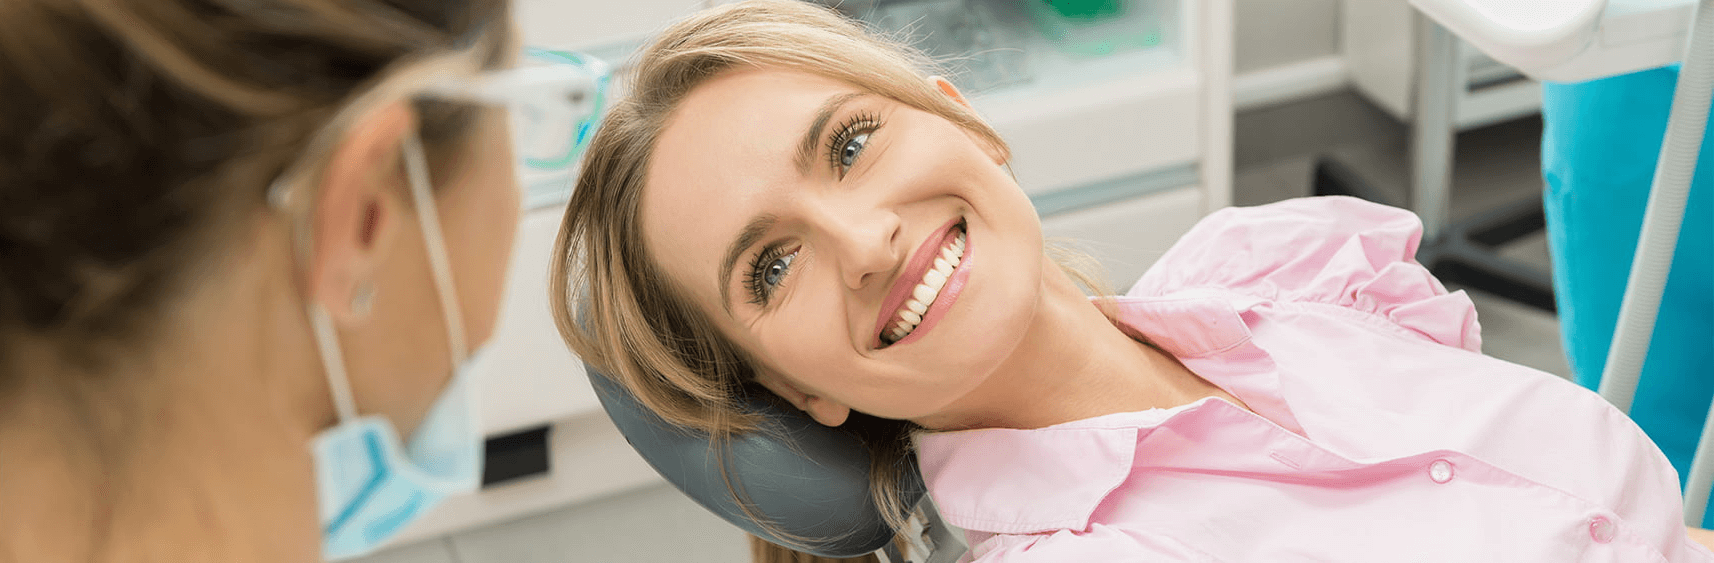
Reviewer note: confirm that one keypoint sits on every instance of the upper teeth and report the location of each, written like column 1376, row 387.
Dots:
column 910, row 313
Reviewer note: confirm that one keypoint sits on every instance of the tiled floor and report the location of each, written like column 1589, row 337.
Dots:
column 1275, row 153
column 652, row 525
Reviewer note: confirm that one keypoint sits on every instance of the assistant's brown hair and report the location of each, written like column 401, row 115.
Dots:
column 136, row 135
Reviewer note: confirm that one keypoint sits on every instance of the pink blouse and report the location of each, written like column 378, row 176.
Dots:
column 1380, row 431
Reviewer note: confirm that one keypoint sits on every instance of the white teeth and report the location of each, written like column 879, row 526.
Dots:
column 934, row 279
column 924, row 293
column 910, row 314
column 909, row 317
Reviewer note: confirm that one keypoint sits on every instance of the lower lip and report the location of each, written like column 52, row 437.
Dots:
column 948, row 295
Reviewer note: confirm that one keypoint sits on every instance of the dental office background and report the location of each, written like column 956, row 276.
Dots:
column 1129, row 121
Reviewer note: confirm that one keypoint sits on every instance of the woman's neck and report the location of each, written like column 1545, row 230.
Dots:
column 1073, row 364
column 198, row 454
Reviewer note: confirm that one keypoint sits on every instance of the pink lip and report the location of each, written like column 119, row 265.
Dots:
column 912, row 276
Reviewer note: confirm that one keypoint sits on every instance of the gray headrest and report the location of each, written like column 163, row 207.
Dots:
column 811, row 481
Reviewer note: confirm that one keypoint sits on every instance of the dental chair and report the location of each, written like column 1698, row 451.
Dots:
column 809, row 481
column 1578, row 40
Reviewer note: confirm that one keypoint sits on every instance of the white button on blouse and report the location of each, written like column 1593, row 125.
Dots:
column 1440, row 471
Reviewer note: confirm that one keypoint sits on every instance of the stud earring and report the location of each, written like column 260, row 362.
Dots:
column 363, row 300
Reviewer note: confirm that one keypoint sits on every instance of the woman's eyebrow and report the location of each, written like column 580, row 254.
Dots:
column 812, row 135
column 752, row 233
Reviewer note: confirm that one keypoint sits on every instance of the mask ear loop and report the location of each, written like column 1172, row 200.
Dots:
column 279, row 197
column 332, row 356
column 416, row 169
column 282, row 196
column 333, row 362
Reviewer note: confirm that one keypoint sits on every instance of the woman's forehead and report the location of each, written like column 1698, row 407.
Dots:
column 751, row 101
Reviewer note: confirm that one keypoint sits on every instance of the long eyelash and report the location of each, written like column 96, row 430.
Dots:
column 861, row 122
column 753, row 279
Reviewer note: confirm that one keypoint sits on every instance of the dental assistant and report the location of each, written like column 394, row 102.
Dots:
column 247, row 251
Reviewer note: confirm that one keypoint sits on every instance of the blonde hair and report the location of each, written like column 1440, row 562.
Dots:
column 614, row 306
column 763, row 551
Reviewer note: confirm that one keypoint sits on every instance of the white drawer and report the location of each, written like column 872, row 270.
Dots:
column 1070, row 135
column 1127, row 236
column 591, row 459
column 533, row 378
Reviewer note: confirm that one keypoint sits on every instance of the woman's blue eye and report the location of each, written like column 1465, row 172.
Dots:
column 766, row 272
column 777, row 269
column 848, row 154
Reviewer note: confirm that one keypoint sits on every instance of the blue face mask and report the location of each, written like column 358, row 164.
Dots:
column 369, row 484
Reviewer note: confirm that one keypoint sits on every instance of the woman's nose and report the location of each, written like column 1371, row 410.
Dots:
column 865, row 241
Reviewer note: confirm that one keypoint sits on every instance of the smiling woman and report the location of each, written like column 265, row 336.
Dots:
column 790, row 208
column 659, row 324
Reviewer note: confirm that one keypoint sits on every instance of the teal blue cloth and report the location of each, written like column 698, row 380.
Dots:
column 1600, row 143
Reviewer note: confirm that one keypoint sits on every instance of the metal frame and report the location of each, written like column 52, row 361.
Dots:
column 927, row 540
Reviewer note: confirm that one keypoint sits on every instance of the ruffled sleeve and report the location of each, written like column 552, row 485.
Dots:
column 1334, row 250
column 1100, row 543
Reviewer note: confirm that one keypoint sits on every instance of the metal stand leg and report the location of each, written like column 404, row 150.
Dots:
column 1440, row 77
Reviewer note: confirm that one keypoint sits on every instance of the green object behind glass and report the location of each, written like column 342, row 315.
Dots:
column 1086, row 27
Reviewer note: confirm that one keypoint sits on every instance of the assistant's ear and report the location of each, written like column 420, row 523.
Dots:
column 947, row 88
column 356, row 205
column 827, row 412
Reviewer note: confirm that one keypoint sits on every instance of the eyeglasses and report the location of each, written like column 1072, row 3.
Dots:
column 555, row 99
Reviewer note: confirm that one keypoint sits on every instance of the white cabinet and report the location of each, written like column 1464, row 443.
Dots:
column 1124, row 152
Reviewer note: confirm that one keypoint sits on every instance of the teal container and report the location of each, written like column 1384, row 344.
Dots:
column 1095, row 27
column 1087, row 10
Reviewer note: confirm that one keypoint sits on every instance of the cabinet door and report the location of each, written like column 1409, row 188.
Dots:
column 533, row 378
column 1127, row 236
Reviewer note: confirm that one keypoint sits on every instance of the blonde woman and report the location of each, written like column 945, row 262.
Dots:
column 247, row 250
column 787, row 204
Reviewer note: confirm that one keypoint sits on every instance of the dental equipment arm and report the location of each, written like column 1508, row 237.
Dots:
column 1574, row 40
column 1569, row 40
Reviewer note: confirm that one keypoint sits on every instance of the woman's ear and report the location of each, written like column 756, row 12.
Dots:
column 825, row 411
column 356, row 209
column 947, row 88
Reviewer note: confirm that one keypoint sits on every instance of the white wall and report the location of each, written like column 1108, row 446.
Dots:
column 1272, row 33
